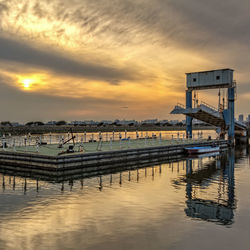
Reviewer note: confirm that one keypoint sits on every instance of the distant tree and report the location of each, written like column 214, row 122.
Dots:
column 100, row 124
column 38, row 123
column 6, row 123
column 179, row 124
column 60, row 123
column 29, row 123
column 157, row 124
column 167, row 124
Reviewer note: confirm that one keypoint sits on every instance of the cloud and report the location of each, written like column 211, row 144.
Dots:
column 18, row 52
column 142, row 44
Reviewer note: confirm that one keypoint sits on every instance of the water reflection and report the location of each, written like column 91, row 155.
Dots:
column 219, row 210
column 163, row 200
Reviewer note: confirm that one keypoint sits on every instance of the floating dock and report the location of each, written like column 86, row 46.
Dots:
column 45, row 163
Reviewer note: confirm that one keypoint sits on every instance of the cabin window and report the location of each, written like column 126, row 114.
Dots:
column 194, row 79
column 217, row 77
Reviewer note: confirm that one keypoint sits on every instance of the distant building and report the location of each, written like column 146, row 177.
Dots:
column 107, row 122
column 126, row 122
column 248, row 118
column 15, row 124
column 91, row 122
column 152, row 121
column 163, row 121
column 76, row 123
column 51, row 123
column 174, row 122
column 241, row 118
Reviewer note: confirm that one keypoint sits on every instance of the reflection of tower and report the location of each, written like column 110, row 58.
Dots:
column 189, row 164
column 211, row 210
column 231, row 184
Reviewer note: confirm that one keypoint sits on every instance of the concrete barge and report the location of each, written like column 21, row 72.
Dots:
column 94, row 162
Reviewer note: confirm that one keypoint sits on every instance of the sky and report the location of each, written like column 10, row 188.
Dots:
column 116, row 59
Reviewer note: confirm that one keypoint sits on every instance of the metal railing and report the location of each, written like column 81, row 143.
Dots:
column 209, row 106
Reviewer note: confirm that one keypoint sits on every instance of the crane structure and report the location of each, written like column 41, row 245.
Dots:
column 223, row 117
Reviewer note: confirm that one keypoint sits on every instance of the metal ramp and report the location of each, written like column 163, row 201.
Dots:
column 208, row 114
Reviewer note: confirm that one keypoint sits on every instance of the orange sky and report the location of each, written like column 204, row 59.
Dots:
column 87, row 59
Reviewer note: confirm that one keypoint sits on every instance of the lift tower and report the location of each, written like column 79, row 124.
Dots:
column 215, row 79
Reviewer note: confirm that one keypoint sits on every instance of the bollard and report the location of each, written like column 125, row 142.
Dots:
column 137, row 135
column 50, row 138
column 125, row 134
column 85, row 137
column 113, row 135
column 25, row 142
column 100, row 136
column 120, row 138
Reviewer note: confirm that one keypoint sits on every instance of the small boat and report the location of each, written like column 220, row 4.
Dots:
column 202, row 150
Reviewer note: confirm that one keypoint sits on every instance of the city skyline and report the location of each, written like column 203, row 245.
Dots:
column 74, row 60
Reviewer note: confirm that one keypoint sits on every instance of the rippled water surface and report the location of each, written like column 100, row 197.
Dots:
column 199, row 203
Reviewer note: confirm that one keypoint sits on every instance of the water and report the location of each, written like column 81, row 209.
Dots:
column 191, row 204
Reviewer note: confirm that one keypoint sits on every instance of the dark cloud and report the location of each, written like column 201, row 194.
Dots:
column 18, row 52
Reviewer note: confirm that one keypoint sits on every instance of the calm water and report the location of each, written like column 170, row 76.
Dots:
column 191, row 204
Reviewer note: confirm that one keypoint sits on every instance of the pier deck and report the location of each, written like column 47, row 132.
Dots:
column 94, row 147
column 48, row 162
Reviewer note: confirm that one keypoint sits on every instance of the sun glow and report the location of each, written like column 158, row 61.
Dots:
column 27, row 83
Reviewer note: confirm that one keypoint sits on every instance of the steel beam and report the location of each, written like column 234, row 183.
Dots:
column 231, row 133
column 188, row 118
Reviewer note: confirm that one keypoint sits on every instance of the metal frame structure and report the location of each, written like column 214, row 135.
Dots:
column 214, row 79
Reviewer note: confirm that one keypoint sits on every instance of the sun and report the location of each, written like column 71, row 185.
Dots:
column 27, row 83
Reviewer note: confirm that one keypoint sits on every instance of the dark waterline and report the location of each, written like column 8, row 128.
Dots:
column 200, row 203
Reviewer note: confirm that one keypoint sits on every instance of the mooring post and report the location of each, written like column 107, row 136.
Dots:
column 85, row 136
column 120, row 139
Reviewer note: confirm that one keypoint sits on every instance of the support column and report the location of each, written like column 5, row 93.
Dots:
column 189, row 119
column 231, row 93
